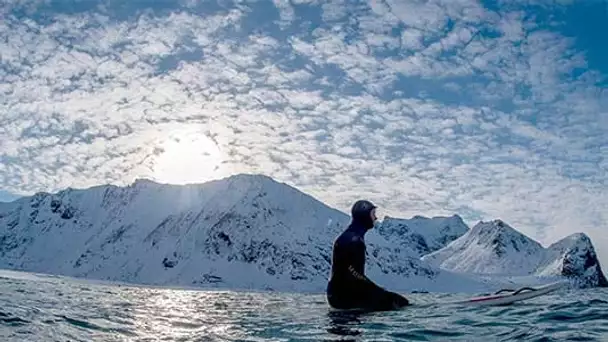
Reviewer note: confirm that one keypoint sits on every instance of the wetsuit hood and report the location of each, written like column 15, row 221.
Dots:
column 361, row 214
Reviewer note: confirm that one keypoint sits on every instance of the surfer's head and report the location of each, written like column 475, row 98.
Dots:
column 364, row 213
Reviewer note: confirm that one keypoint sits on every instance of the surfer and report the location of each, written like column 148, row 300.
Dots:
column 348, row 287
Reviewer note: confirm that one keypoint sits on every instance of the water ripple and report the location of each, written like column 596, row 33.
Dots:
column 8, row 319
column 56, row 309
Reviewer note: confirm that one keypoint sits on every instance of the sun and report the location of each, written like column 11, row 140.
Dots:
column 186, row 158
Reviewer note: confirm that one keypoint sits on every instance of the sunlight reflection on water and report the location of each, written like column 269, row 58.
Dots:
column 59, row 310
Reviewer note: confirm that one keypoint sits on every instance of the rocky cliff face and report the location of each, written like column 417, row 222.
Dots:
column 574, row 257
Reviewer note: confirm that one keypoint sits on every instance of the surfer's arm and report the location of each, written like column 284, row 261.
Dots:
column 357, row 264
column 381, row 295
column 359, row 276
column 356, row 270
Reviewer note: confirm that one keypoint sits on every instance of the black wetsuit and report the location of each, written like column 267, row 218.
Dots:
column 348, row 287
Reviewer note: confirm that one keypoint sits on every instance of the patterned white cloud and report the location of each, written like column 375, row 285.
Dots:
column 433, row 107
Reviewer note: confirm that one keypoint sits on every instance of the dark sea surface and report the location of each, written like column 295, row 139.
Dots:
column 34, row 308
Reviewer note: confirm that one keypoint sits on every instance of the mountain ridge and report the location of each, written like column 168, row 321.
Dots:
column 426, row 234
column 496, row 248
column 243, row 231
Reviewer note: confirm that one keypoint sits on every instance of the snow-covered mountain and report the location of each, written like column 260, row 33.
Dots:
column 495, row 248
column 489, row 248
column 422, row 234
column 574, row 257
column 245, row 231
column 251, row 232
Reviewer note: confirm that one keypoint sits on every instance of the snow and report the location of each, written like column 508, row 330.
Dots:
column 495, row 249
column 246, row 232
column 422, row 234
column 573, row 255
column 489, row 248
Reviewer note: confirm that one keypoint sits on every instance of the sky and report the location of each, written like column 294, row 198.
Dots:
column 486, row 109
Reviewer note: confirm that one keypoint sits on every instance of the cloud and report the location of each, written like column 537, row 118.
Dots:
column 433, row 107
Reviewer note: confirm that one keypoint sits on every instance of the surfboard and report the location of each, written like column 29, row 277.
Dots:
column 507, row 296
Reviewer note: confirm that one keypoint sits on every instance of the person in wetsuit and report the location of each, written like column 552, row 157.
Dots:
column 348, row 287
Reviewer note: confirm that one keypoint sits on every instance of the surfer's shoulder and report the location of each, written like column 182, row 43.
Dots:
column 356, row 239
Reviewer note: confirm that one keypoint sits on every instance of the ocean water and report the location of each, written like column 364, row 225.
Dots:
column 58, row 309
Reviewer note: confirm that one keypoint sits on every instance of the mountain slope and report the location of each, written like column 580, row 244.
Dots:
column 422, row 234
column 574, row 257
column 245, row 231
column 489, row 248
column 495, row 248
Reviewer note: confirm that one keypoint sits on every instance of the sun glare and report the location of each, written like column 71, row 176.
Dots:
column 190, row 157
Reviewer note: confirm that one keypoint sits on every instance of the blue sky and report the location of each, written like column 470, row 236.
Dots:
column 491, row 109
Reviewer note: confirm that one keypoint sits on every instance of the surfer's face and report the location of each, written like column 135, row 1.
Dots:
column 372, row 214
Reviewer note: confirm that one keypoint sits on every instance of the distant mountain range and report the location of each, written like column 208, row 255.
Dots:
column 251, row 232
column 496, row 248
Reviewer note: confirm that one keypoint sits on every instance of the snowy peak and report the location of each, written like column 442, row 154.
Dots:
column 489, row 248
column 132, row 232
column 250, row 231
column 422, row 234
column 244, row 231
column 503, row 240
column 498, row 249
column 574, row 257
column 573, row 240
